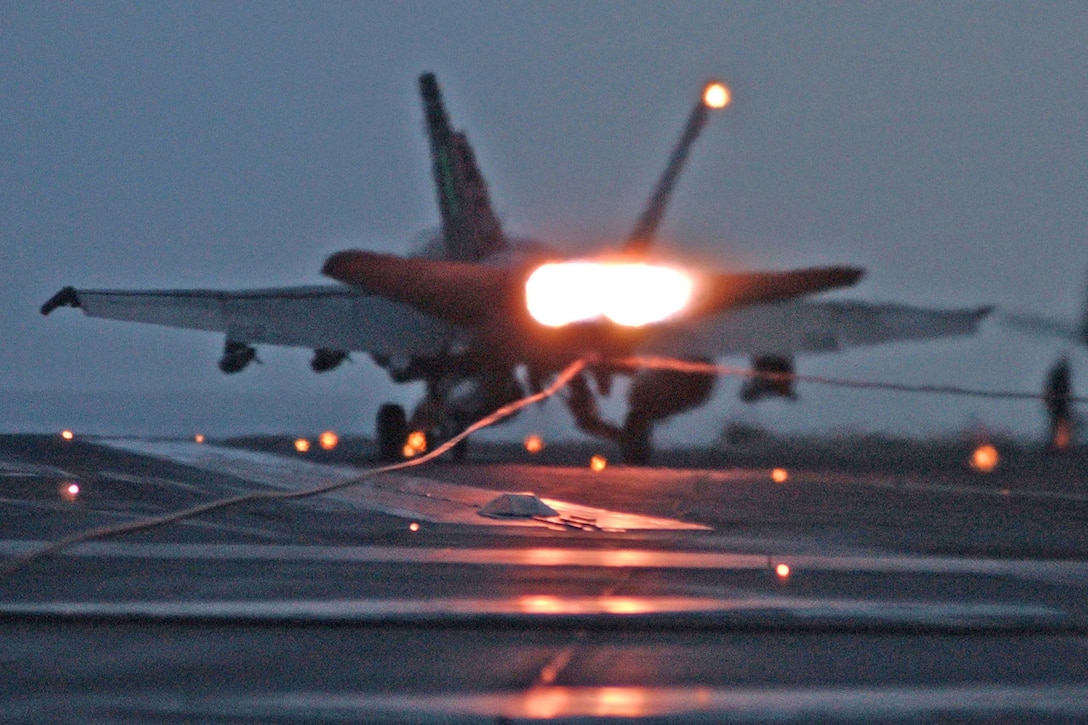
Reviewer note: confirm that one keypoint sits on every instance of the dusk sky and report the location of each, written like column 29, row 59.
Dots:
column 943, row 146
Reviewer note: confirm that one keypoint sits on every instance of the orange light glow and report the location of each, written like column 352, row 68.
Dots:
column 622, row 702
column 783, row 571
column 199, row 438
column 985, row 458
column 328, row 440
column 69, row 491
column 534, row 443
column 418, row 439
column 1063, row 435
column 302, row 445
column 415, row 444
column 598, row 463
column 413, row 526
column 67, row 435
column 780, row 475
column 540, row 604
column 716, row 95
column 632, row 295
column 547, row 703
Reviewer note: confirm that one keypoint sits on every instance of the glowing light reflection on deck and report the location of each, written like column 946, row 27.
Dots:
column 548, row 557
column 540, row 604
column 549, row 702
column 621, row 702
column 1063, row 435
column 598, row 463
column 780, row 475
column 557, row 605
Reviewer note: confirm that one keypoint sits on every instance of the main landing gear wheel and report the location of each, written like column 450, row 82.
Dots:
column 392, row 432
column 635, row 440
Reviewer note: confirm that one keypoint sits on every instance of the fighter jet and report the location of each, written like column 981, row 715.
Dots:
column 483, row 319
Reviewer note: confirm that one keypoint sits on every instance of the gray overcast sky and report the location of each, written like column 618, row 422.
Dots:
column 944, row 146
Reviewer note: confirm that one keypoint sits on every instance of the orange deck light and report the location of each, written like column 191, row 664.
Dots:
column 985, row 458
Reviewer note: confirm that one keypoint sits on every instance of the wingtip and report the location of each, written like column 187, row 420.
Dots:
column 842, row 276
column 350, row 266
column 67, row 297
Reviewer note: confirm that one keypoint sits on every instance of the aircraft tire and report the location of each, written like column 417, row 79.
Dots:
column 392, row 431
column 635, row 440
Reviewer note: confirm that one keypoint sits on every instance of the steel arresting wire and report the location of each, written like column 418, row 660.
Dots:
column 700, row 368
column 561, row 380
column 151, row 522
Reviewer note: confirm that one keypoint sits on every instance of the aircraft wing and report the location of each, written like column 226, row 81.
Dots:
column 790, row 327
column 332, row 317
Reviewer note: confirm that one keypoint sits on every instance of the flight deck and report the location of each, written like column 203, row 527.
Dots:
column 796, row 583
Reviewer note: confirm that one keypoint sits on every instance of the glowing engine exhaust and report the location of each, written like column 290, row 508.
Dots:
column 629, row 294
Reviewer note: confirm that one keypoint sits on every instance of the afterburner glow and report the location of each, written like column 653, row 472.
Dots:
column 629, row 294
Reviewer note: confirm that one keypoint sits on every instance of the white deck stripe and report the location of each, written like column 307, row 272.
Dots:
column 1054, row 571
column 555, row 703
column 746, row 610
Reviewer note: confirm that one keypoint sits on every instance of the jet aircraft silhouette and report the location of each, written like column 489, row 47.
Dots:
column 483, row 319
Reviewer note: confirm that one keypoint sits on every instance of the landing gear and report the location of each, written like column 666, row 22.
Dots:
column 392, row 431
column 634, row 439
column 656, row 395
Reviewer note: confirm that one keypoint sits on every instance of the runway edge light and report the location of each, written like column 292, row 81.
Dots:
column 985, row 458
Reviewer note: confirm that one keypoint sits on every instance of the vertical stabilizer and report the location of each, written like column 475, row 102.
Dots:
column 715, row 95
column 470, row 229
